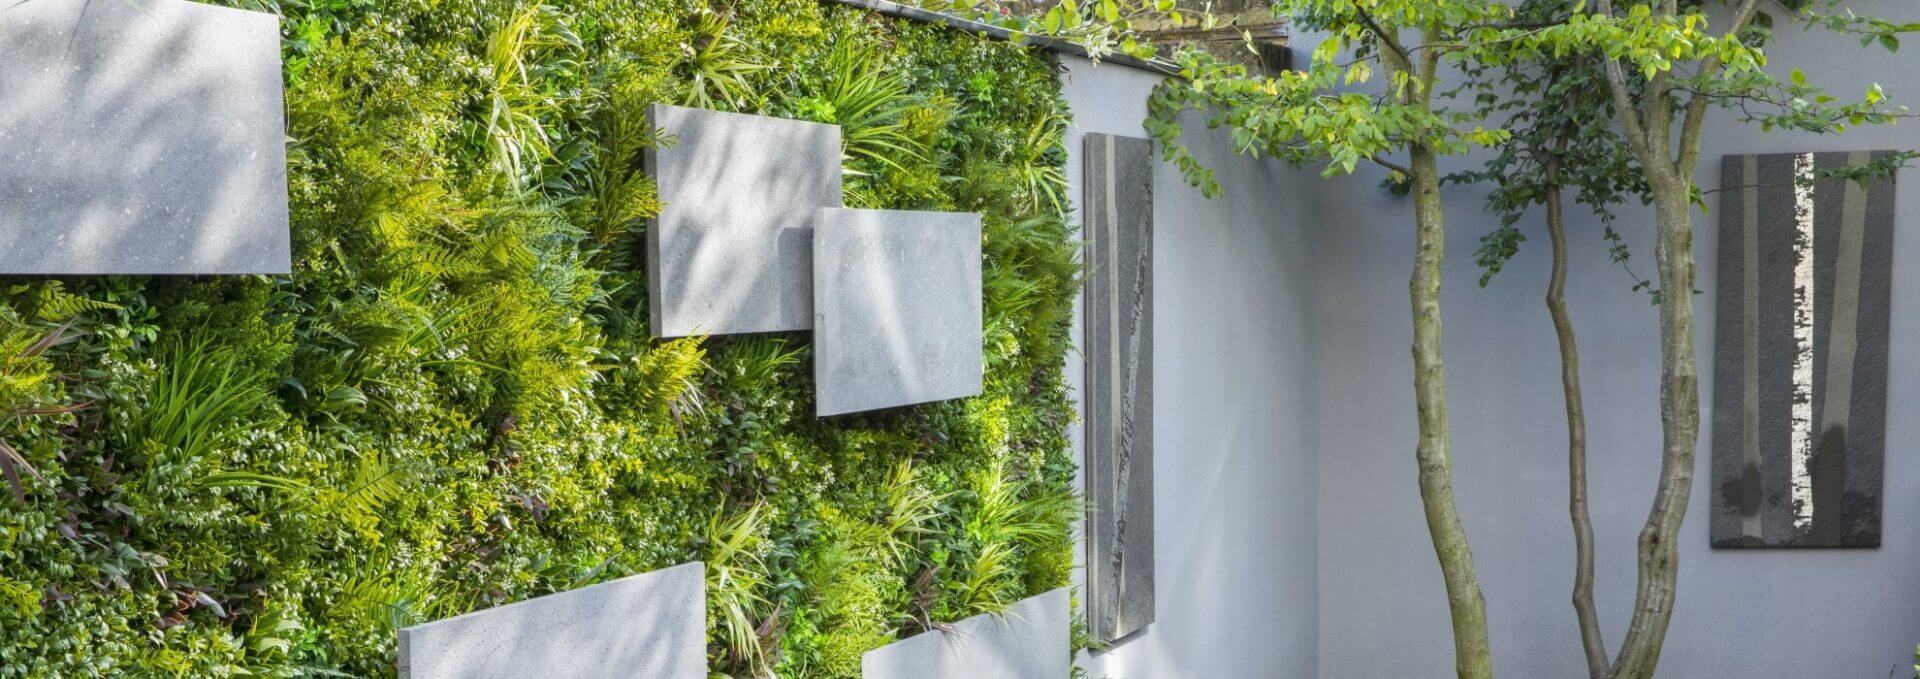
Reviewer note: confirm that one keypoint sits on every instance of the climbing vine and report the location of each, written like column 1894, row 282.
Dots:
column 453, row 402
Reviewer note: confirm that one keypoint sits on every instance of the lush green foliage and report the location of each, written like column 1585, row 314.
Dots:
column 452, row 403
column 1559, row 117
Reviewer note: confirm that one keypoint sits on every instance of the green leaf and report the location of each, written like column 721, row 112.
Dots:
column 250, row 480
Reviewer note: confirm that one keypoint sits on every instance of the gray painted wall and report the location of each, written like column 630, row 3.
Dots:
column 1234, row 505
column 1754, row 613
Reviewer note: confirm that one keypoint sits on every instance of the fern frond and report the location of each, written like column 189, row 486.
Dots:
column 52, row 303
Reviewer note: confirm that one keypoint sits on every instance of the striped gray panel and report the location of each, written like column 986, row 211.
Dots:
column 1119, row 396
column 1753, row 465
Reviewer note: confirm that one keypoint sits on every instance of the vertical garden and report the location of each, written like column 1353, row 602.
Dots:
column 454, row 401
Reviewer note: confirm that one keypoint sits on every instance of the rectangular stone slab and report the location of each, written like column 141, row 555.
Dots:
column 1118, row 207
column 140, row 138
column 1801, row 352
column 897, row 308
column 648, row 626
column 1030, row 641
column 731, row 250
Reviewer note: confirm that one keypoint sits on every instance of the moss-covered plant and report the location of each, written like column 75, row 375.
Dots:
column 453, row 402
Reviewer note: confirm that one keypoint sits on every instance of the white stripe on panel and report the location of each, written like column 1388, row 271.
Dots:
column 1803, row 321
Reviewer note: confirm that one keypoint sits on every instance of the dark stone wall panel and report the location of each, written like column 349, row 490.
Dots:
column 1798, row 437
column 1119, row 396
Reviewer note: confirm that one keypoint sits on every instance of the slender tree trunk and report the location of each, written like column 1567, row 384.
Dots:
column 1669, row 168
column 1680, row 431
column 1590, row 636
column 1472, row 651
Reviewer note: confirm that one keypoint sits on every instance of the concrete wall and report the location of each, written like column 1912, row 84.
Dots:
column 1744, row 614
column 1234, row 505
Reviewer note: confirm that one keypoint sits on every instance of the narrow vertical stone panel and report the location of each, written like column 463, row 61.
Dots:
column 648, row 626
column 1032, row 640
column 898, row 309
column 732, row 248
column 141, row 138
column 1118, row 210
column 1800, row 357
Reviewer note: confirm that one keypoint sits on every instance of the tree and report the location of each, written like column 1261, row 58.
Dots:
column 1334, row 112
column 1664, row 68
column 1559, row 113
column 1319, row 115
column 1316, row 115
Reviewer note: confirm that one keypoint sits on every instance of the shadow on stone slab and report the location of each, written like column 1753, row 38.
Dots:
column 648, row 626
column 1032, row 640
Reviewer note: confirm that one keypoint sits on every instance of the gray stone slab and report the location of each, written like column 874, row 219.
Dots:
column 731, row 250
column 1118, row 207
column 897, row 308
column 648, row 626
column 140, row 137
column 1801, row 352
column 1032, row 640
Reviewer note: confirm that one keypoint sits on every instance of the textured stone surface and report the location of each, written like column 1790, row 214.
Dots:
column 1030, row 641
column 649, row 626
column 140, row 138
column 1119, row 396
column 897, row 308
column 731, row 250
column 1800, row 380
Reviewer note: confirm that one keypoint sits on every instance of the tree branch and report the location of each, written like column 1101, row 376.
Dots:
column 1690, row 133
column 1690, row 129
column 1636, row 134
column 1390, row 165
column 1429, row 72
column 1391, row 40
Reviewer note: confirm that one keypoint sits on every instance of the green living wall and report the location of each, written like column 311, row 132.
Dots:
column 453, row 402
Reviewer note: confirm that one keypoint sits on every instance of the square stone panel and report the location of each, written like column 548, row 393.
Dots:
column 897, row 308
column 648, row 626
column 141, row 138
column 731, row 250
column 1030, row 641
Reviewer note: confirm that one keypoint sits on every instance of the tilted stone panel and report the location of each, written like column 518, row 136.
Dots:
column 897, row 304
column 140, row 138
column 648, row 626
column 731, row 250
column 1030, row 641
